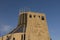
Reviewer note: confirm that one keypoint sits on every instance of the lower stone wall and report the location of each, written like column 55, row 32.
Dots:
column 16, row 36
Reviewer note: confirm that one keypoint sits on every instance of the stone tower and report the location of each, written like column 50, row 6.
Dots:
column 34, row 26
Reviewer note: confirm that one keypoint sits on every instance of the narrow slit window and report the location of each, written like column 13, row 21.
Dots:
column 21, row 37
column 24, row 36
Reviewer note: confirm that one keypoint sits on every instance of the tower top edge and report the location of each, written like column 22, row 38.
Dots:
column 31, row 13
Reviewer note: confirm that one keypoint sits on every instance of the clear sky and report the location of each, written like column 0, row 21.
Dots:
column 9, row 10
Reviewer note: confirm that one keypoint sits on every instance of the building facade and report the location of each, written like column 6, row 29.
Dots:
column 31, row 26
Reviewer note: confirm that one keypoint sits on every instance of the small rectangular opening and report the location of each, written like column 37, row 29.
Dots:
column 23, row 37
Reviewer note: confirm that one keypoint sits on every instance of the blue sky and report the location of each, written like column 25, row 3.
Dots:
column 9, row 10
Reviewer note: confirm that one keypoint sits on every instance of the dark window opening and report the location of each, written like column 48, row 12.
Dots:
column 30, row 16
column 13, row 38
column 42, row 17
column 34, row 16
column 21, row 37
column 39, row 16
column 24, row 36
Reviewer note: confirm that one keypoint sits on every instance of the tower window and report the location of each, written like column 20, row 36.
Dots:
column 42, row 17
column 39, row 16
column 30, row 16
column 13, row 38
column 34, row 16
